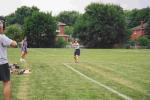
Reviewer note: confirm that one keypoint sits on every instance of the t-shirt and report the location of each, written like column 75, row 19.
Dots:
column 76, row 46
column 4, row 43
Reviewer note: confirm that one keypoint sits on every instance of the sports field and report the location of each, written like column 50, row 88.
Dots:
column 102, row 74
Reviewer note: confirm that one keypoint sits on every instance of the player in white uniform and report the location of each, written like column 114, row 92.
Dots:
column 76, row 51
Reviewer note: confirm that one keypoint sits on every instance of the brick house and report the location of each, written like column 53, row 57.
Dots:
column 60, row 31
column 138, row 31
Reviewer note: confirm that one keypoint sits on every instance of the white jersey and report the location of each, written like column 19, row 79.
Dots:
column 4, row 43
column 76, row 45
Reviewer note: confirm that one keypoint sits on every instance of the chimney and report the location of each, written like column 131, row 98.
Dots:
column 142, row 27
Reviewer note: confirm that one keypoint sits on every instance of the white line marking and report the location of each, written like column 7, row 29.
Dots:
column 100, row 84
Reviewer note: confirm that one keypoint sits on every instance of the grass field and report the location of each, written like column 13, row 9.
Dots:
column 126, row 71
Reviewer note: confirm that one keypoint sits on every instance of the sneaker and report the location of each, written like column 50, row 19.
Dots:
column 21, row 59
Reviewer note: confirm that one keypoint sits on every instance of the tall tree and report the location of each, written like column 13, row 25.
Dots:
column 102, row 25
column 40, row 30
column 20, row 15
column 137, row 15
column 11, row 19
column 68, row 17
column 23, row 12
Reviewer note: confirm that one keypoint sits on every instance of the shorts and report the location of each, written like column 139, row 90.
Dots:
column 77, row 52
column 4, row 72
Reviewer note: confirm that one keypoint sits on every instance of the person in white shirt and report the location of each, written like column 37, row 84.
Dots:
column 76, row 51
column 4, row 66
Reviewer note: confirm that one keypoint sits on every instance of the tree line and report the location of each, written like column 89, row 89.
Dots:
column 101, row 26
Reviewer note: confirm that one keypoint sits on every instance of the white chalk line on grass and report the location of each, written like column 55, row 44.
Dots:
column 99, row 83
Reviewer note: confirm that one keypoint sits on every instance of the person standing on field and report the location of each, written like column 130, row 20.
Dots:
column 77, row 51
column 4, row 66
column 24, row 52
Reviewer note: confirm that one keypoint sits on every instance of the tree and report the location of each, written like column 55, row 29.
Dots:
column 137, row 15
column 20, row 15
column 11, row 19
column 14, row 32
column 80, row 28
column 68, row 17
column 69, row 30
column 102, row 25
column 24, row 12
column 40, row 30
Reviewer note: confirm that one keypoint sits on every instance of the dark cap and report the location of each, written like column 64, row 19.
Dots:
column 3, row 20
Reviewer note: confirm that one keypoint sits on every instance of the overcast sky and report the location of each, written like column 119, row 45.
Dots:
column 56, row 6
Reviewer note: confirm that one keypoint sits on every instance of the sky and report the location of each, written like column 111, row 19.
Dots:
column 56, row 6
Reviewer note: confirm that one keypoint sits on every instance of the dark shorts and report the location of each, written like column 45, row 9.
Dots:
column 77, row 52
column 4, row 72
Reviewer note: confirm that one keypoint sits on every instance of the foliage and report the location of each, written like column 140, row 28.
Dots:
column 102, row 25
column 144, row 41
column 68, row 17
column 11, row 19
column 137, row 15
column 80, row 28
column 20, row 15
column 14, row 32
column 40, row 29
column 68, row 30
column 129, row 43
column 147, row 30
column 60, row 43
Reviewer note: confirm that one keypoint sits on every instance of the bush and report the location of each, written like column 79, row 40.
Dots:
column 143, row 41
column 131, row 42
column 60, row 43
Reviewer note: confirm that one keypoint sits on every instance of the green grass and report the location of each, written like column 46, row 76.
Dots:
column 125, row 70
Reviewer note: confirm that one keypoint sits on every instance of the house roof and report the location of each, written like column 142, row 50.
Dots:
column 61, row 24
column 139, row 27
column 63, row 35
column 2, row 18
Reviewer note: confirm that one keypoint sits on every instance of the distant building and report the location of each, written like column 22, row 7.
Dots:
column 60, row 31
column 138, row 31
